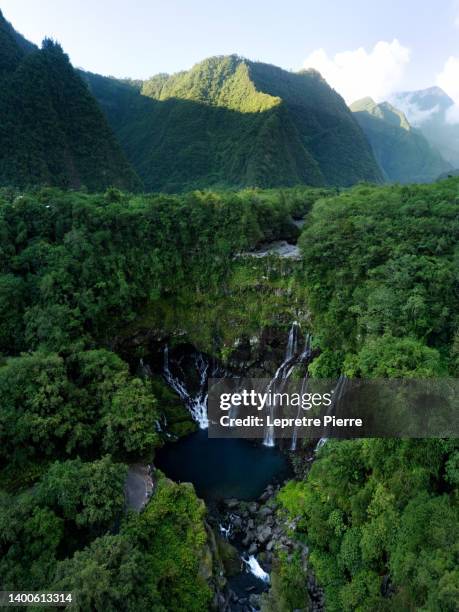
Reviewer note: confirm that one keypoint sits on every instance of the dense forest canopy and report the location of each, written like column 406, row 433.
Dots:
column 378, row 281
column 79, row 267
column 382, row 516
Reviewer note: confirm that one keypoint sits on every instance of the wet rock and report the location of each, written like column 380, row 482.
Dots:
column 231, row 503
column 253, row 549
column 270, row 545
column 221, row 601
column 229, row 557
column 138, row 486
column 250, row 524
column 253, row 507
column 264, row 497
column 279, row 248
column 206, row 565
column 237, row 522
column 249, row 537
column 265, row 511
column 264, row 533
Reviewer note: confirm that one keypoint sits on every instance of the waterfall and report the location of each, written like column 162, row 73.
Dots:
column 337, row 395
column 283, row 372
column 304, row 385
column 255, row 568
column 144, row 369
column 320, row 443
column 226, row 531
column 195, row 402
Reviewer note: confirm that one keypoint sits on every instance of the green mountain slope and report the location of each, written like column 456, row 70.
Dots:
column 403, row 153
column 51, row 130
column 232, row 122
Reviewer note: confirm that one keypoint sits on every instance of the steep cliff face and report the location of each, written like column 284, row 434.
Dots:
column 403, row 153
column 52, row 131
column 232, row 122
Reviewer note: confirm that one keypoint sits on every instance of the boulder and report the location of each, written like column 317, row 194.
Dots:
column 264, row 497
column 264, row 533
column 249, row 537
column 254, row 600
column 265, row 511
column 237, row 522
column 229, row 557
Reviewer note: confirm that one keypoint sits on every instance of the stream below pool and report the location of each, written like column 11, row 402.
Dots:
column 227, row 468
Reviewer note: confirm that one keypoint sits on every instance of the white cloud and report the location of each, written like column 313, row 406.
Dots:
column 415, row 115
column 359, row 73
column 448, row 79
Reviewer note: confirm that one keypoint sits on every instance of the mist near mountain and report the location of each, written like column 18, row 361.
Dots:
column 429, row 110
column 403, row 153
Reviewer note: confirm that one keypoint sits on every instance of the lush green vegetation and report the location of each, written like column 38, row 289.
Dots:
column 79, row 272
column 52, row 131
column 403, row 153
column 78, row 269
column 378, row 275
column 381, row 516
column 382, row 263
column 232, row 122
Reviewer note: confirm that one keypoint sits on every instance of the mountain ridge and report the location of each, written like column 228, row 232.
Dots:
column 402, row 151
column 53, row 131
column 230, row 122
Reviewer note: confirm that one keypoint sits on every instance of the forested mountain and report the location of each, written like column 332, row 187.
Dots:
column 52, row 131
column 232, row 122
column 99, row 290
column 428, row 110
column 403, row 153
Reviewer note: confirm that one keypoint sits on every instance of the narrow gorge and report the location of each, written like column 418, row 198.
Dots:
column 237, row 478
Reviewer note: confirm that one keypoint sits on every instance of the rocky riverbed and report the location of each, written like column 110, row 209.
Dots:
column 255, row 534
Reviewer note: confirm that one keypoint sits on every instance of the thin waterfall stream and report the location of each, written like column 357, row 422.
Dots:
column 293, row 357
column 196, row 402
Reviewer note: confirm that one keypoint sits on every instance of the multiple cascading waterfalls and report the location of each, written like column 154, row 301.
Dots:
column 188, row 375
column 196, row 400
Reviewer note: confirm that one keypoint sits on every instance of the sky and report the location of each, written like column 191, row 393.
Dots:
column 361, row 47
